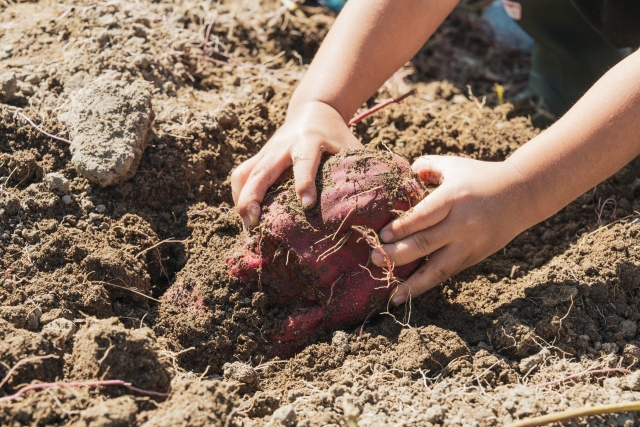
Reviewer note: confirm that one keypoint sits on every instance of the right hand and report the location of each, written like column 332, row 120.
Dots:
column 310, row 129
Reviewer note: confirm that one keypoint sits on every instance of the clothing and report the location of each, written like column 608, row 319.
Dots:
column 618, row 21
column 569, row 54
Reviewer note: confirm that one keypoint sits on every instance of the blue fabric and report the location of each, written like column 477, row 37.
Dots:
column 336, row 5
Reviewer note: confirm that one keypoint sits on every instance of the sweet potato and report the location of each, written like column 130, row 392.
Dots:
column 315, row 263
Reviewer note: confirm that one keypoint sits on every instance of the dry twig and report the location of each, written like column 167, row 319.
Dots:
column 575, row 413
column 357, row 119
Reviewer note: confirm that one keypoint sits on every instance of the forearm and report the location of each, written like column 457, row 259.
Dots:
column 369, row 41
column 596, row 138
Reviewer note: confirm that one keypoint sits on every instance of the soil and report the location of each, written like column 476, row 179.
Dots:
column 91, row 275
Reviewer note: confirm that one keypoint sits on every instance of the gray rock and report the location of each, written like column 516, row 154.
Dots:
column 434, row 414
column 340, row 339
column 284, row 416
column 57, row 182
column 101, row 208
column 60, row 328
column 632, row 382
column 67, row 200
column 628, row 328
column 240, row 372
column 109, row 127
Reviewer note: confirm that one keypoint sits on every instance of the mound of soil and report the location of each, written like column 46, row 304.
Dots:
column 130, row 281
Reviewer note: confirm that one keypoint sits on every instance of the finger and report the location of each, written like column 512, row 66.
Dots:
column 240, row 175
column 430, row 211
column 438, row 268
column 263, row 174
column 430, row 168
column 416, row 246
column 305, row 168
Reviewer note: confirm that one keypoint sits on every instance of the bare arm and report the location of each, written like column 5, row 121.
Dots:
column 481, row 206
column 369, row 41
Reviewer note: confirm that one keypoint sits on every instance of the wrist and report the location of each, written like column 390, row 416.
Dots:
column 528, row 204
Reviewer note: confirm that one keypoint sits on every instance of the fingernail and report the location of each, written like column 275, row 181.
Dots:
column 246, row 223
column 386, row 236
column 399, row 299
column 307, row 201
column 254, row 215
column 377, row 258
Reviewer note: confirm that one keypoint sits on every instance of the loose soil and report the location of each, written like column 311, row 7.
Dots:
column 92, row 275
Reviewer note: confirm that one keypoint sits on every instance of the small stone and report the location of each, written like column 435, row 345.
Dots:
column 609, row 347
column 67, row 200
column 62, row 329
column 240, row 372
column 632, row 382
column 284, row 416
column 33, row 318
column 341, row 340
column 101, row 208
column 628, row 328
column 434, row 414
column 87, row 205
column 57, row 182
column 8, row 86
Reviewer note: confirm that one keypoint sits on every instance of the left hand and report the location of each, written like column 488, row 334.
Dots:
column 477, row 209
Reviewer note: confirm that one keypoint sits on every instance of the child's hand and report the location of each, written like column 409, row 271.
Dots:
column 311, row 128
column 478, row 208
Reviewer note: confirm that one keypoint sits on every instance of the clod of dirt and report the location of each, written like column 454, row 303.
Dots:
column 429, row 348
column 530, row 363
column 22, row 316
column 118, row 412
column 240, row 372
column 105, row 349
column 631, row 354
column 560, row 295
column 109, row 126
column 512, row 337
column 8, row 85
column 202, row 403
column 60, row 331
column 18, row 347
column 632, row 382
column 284, row 416
column 629, row 275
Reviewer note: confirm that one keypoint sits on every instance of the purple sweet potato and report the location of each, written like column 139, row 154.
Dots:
column 315, row 263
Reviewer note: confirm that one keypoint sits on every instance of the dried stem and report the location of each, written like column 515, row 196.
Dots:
column 575, row 413
column 22, row 362
column 357, row 119
column 41, row 131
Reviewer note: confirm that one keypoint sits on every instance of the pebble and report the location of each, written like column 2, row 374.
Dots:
column 101, row 208
column 57, row 182
column 67, row 200
column 284, row 416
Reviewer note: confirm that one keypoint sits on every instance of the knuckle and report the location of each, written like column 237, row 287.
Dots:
column 422, row 243
column 440, row 274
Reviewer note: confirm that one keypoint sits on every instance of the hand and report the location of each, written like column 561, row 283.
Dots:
column 311, row 128
column 477, row 209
